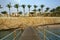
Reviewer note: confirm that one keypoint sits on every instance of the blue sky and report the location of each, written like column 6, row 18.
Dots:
column 47, row 3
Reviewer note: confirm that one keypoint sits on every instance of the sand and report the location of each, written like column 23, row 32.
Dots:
column 23, row 22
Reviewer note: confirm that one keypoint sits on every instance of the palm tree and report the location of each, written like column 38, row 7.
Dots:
column 0, row 6
column 53, row 11
column 20, row 12
column 58, row 11
column 58, row 8
column 23, row 6
column 47, row 9
column 4, row 13
column 9, row 7
column 42, row 6
column 35, row 6
column 34, row 10
column 29, row 6
column 39, row 10
column 16, row 6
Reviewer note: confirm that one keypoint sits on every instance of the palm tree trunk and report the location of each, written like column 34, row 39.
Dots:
column 0, row 12
column 17, row 12
column 39, row 13
column 24, row 12
column 35, row 12
column 9, row 12
column 41, row 10
column 29, row 10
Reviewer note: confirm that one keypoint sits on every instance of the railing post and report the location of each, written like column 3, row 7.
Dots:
column 44, row 30
column 44, row 33
column 15, row 35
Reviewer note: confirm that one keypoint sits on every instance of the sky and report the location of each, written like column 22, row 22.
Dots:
column 48, row 3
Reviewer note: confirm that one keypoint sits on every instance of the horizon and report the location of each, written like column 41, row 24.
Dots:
column 47, row 3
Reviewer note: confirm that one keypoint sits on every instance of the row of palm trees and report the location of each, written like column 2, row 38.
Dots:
column 56, row 11
column 9, row 6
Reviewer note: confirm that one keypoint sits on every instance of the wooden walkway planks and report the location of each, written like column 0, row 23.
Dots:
column 30, row 34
